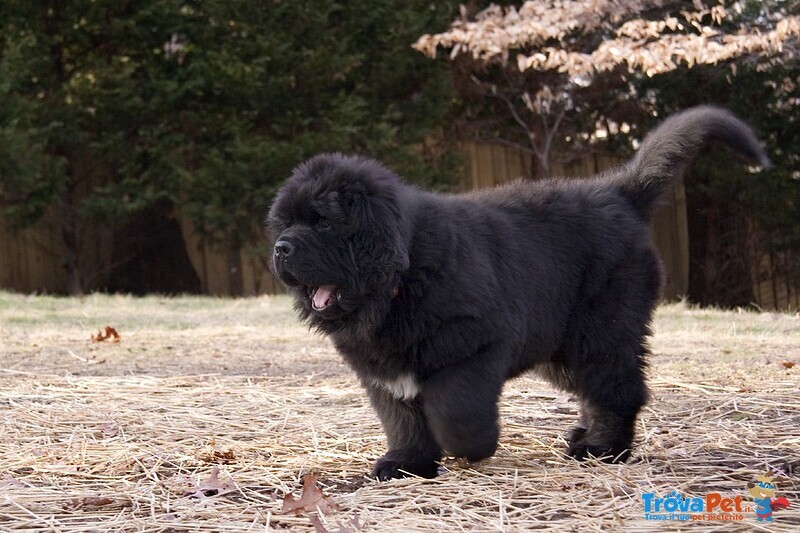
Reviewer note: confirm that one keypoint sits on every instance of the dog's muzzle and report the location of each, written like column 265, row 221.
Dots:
column 283, row 249
column 280, row 258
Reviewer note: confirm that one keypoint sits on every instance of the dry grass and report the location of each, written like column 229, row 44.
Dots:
column 121, row 437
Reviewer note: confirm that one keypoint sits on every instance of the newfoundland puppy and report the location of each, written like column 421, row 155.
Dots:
column 436, row 300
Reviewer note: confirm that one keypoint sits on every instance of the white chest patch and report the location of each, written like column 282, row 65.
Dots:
column 402, row 387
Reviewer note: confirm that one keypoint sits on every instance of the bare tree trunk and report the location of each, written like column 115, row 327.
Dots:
column 71, row 238
column 69, row 235
column 234, row 260
column 68, row 204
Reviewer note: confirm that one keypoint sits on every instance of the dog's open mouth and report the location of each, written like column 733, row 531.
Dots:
column 322, row 297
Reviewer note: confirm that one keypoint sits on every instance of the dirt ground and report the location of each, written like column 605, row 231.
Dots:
column 208, row 412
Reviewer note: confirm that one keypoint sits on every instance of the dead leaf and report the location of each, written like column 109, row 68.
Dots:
column 317, row 523
column 10, row 482
column 88, row 503
column 213, row 486
column 312, row 499
column 109, row 335
column 351, row 527
column 214, row 453
column 110, row 429
column 788, row 364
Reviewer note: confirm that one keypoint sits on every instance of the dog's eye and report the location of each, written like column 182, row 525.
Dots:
column 324, row 224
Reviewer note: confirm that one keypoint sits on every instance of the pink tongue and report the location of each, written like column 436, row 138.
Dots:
column 323, row 296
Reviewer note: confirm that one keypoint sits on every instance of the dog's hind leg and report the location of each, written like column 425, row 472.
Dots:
column 610, row 400
column 606, row 356
column 608, row 408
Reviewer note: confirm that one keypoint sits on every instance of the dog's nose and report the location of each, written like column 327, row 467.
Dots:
column 283, row 248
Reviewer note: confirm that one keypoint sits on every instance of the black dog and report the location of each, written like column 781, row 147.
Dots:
column 436, row 300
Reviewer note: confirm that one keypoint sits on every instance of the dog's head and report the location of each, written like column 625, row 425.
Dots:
column 338, row 243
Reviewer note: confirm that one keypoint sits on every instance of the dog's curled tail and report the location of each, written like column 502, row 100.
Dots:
column 667, row 150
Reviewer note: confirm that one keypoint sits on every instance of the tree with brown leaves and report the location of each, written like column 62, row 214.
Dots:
column 562, row 68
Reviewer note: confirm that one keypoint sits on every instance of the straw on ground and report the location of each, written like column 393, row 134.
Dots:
column 207, row 412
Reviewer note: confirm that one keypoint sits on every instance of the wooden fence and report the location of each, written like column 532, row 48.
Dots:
column 31, row 259
column 211, row 265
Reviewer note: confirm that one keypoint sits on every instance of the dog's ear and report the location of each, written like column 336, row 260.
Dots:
column 381, row 223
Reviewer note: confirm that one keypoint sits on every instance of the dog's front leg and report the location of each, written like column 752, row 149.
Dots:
column 460, row 405
column 412, row 449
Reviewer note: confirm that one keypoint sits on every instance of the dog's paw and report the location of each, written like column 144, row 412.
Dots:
column 400, row 463
column 582, row 451
column 580, row 448
column 576, row 434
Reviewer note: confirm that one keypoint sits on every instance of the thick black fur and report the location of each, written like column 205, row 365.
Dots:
column 436, row 300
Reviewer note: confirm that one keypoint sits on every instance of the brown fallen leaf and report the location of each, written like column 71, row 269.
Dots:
column 312, row 499
column 212, row 486
column 351, row 527
column 110, row 429
column 215, row 453
column 10, row 482
column 110, row 335
column 317, row 523
column 87, row 503
column 788, row 364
